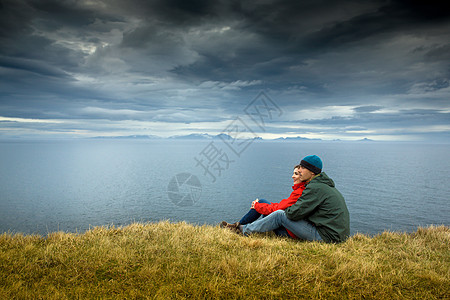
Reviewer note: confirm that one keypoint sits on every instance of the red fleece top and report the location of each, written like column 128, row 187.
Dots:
column 266, row 209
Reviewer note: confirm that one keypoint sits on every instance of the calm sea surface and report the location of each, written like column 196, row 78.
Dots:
column 48, row 186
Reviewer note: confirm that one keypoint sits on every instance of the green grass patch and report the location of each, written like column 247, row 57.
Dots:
column 178, row 260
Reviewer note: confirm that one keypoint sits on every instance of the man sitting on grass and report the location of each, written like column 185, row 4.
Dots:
column 262, row 207
column 320, row 214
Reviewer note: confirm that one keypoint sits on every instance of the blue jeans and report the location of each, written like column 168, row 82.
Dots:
column 302, row 229
column 253, row 215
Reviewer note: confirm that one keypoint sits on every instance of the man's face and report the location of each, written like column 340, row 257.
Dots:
column 305, row 174
column 296, row 176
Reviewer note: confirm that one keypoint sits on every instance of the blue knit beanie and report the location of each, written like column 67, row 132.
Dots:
column 312, row 163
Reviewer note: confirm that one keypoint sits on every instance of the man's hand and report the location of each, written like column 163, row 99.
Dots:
column 254, row 202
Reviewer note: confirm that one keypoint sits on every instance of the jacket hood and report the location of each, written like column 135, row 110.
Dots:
column 323, row 178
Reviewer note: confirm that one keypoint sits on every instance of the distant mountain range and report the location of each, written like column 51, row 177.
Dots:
column 366, row 140
column 205, row 136
column 297, row 138
column 193, row 136
column 128, row 137
column 199, row 136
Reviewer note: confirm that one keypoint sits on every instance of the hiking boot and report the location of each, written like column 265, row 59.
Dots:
column 238, row 228
column 233, row 227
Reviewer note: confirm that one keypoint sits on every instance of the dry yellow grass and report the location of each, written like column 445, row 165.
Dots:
column 178, row 260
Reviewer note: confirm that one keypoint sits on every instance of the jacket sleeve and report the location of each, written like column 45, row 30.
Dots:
column 305, row 205
column 266, row 208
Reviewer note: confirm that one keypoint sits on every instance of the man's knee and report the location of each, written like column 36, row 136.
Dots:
column 279, row 213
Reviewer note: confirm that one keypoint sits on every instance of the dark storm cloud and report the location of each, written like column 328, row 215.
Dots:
column 293, row 43
column 391, row 18
column 345, row 62
column 31, row 66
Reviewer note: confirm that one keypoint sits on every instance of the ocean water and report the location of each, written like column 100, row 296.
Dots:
column 73, row 185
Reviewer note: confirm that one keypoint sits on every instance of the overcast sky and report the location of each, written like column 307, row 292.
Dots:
column 336, row 69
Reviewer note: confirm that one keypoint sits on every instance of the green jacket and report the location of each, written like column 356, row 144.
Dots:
column 323, row 205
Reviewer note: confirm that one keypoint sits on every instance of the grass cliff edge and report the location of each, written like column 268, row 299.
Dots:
column 178, row 260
